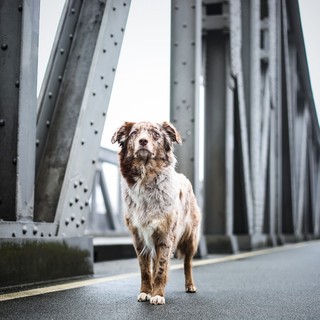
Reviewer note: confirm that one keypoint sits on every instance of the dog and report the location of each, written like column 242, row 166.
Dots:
column 162, row 212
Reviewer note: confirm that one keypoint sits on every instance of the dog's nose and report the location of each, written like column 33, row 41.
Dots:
column 143, row 142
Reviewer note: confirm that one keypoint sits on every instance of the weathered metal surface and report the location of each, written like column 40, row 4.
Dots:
column 18, row 62
column 84, row 152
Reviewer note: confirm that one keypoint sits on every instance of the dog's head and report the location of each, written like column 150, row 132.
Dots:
column 146, row 140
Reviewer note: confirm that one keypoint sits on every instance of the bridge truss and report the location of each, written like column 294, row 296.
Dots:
column 259, row 153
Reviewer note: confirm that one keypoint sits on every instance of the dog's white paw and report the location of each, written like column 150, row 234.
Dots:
column 144, row 297
column 157, row 300
column 191, row 289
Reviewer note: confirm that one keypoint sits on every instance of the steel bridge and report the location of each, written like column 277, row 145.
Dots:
column 255, row 139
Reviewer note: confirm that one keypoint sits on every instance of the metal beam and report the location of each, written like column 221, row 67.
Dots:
column 18, row 59
column 84, row 152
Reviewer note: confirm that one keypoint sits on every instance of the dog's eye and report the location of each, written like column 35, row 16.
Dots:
column 156, row 135
column 134, row 132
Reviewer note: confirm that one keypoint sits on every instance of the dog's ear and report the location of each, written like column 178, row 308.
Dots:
column 122, row 133
column 172, row 132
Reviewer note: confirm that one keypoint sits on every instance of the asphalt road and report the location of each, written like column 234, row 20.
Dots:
column 279, row 284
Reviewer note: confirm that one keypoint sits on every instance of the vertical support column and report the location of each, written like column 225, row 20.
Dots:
column 19, row 21
column 219, row 134
column 272, row 178
column 186, row 46
column 255, row 111
column 288, row 181
column 185, row 78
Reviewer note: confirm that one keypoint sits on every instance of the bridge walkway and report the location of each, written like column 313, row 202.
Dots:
column 276, row 283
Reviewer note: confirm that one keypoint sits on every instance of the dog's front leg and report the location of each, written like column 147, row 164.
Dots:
column 146, row 276
column 161, row 262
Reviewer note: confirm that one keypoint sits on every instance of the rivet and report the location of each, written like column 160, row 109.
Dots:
column 67, row 221
column 91, row 123
column 24, row 229
column 73, row 216
column 104, row 114
column 73, row 11
column 124, row 4
column 14, row 161
column 104, row 50
column 184, row 63
column 101, row 77
column 176, row 44
column 93, row 161
column 189, row 132
column 83, row 220
column 2, row 122
column 192, row 159
column 4, row 46
column 85, row 189
column 175, row 82
column 96, row 131
column 82, row 142
column 192, row 81
column 116, row 43
column 184, row 25
column 35, row 230
column 75, row 185
column 184, row 101
column 81, row 182
column 176, row 8
column 86, row 203
column 114, row 9
column 13, row 235
column 48, row 123
column 70, row 36
column 174, row 120
column 17, row 84
column 70, row 203
column 76, row 199
column 78, row 224
column 60, row 78
column 50, row 95
column 111, row 35
column 193, row 43
column 93, row 93
column 122, row 29
column 50, row 235
column 106, row 86
column 81, row 207
column 37, row 143
column 42, row 235
column 62, row 51
column 20, row 8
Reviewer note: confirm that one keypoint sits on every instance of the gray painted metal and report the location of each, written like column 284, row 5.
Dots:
column 185, row 82
column 56, row 153
column 18, row 54
column 84, row 153
column 52, row 81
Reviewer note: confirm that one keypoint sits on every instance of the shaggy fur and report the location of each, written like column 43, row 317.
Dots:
column 162, row 213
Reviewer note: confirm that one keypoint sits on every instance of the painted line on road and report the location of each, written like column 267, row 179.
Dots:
column 90, row 282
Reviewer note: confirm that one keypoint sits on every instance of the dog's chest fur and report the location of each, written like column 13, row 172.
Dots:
column 154, row 205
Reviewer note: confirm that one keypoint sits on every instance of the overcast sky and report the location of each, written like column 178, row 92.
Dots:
column 141, row 89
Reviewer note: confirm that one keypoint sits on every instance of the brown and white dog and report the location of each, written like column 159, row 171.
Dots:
column 162, row 212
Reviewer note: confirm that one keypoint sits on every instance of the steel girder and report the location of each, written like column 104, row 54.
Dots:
column 53, row 149
column 261, row 176
column 19, row 22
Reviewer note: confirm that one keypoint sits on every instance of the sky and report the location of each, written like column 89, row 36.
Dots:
column 141, row 87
